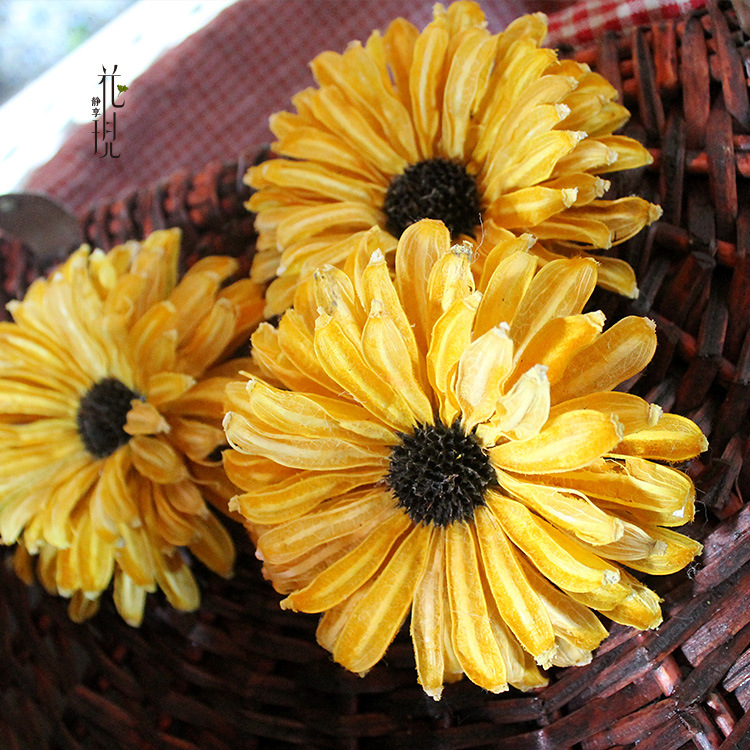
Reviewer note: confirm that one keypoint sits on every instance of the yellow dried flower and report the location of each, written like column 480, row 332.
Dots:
column 484, row 132
column 458, row 453
column 111, row 390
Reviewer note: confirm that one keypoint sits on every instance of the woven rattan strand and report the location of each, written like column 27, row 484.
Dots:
column 241, row 673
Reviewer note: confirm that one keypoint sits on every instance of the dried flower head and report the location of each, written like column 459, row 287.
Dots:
column 483, row 132
column 420, row 445
column 111, row 388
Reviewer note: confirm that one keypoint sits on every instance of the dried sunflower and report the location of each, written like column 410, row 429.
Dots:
column 480, row 131
column 459, row 454
column 111, row 388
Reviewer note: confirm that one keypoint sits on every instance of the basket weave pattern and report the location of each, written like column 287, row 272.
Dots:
column 243, row 673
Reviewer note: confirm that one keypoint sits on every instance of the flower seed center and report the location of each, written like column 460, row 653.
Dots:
column 102, row 415
column 439, row 475
column 433, row 189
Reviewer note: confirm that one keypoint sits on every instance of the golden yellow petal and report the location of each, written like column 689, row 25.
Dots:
column 419, row 247
column 387, row 353
column 571, row 620
column 295, row 343
column 672, row 438
column 450, row 337
column 559, row 557
column 334, row 520
column 136, row 556
column 208, row 341
column 212, row 545
column 504, row 284
column 375, row 620
column 332, row 622
column 527, row 207
column 112, row 501
column 344, row 363
column 556, row 343
column 130, row 599
column 164, row 387
column 345, row 576
column 658, row 494
column 632, row 411
column 532, row 161
column 482, row 370
column 331, row 108
column 567, row 442
column 144, row 419
column 82, row 608
column 308, row 221
column 522, row 412
column 317, row 179
column 290, row 450
column 450, row 279
column 376, row 284
column 177, row 582
column 465, row 85
column 667, row 553
column 95, row 559
column 629, row 153
column 295, row 496
column 153, row 341
column 559, row 289
column 426, row 82
column 472, row 636
column 156, row 459
column 520, row 606
column 619, row 353
column 399, row 42
column 429, row 622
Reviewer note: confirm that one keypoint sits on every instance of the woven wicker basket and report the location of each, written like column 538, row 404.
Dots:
column 241, row 673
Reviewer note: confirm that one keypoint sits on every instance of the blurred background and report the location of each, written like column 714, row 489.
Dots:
column 51, row 52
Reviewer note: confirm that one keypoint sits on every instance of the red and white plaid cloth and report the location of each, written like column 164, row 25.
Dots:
column 210, row 97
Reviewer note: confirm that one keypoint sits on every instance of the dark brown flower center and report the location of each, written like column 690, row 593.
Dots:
column 439, row 475
column 433, row 189
column 102, row 415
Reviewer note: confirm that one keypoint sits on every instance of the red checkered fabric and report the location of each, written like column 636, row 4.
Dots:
column 587, row 19
column 210, row 97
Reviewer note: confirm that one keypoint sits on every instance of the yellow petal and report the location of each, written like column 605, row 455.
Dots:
column 504, row 285
column 428, row 621
column 559, row 289
column 177, row 582
column 556, row 555
column 472, row 636
column 633, row 412
column 295, row 496
column 130, row 599
column 450, row 338
column 569, row 511
column 522, row 412
column 482, row 370
column 673, row 438
column 344, row 363
column 516, row 599
column 375, row 620
column 212, row 545
column 619, row 353
column 157, row 459
column 288, row 450
column 144, row 419
column 557, row 342
column 419, row 247
column 337, row 518
column 348, row 574
column 567, row 442
column 659, row 494
column 387, row 353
